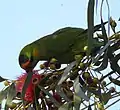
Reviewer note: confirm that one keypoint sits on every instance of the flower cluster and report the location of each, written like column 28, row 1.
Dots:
column 29, row 95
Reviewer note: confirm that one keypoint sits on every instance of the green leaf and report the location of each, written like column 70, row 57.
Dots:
column 57, row 104
column 67, row 106
column 101, row 51
column 104, row 32
column 66, row 71
column 3, row 94
column 61, row 93
column 78, row 90
column 104, row 63
column 108, row 14
column 90, row 21
column 28, row 79
column 77, row 102
column 115, row 81
column 96, row 5
column 2, row 79
column 114, row 62
column 92, row 90
column 105, row 58
column 98, row 63
column 105, row 97
column 89, row 107
column 116, row 45
column 6, row 107
column 11, row 93
column 36, row 94
column 119, row 19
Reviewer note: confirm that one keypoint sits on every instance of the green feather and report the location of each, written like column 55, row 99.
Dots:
column 62, row 45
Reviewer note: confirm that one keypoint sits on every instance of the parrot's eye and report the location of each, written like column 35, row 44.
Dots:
column 23, row 59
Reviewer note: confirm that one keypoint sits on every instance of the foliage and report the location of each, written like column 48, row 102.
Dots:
column 82, row 84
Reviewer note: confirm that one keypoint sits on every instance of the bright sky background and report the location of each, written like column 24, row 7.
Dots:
column 23, row 21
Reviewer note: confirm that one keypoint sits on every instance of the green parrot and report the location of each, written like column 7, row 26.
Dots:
column 63, row 44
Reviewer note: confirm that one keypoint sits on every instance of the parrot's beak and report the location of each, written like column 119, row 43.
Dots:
column 26, row 65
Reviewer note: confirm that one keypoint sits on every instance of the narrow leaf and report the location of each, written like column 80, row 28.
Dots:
column 2, row 79
column 108, row 17
column 50, row 96
column 115, row 81
column 104, row 63
column 3, row 94
column 89, row 107
column 78, row 90
column 65, row 107
column 106, row 97
column 77, row 102
column 104, row 32
column 119, row 19
column 101, row 51
column 61, row 93
column 66, row 71
column 11, row 93
column 28, row 79
column 114, row 62
column 96, row 5
column 90, row 21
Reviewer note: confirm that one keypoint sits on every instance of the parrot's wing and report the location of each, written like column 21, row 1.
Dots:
column 62, row 40
column 59, row 44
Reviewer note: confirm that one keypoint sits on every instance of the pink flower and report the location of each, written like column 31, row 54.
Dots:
column 29, row 95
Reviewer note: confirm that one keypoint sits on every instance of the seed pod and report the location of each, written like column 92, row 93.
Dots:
column 82, row 66
column 86, row 75
column 53, row 60
column 112, row 90
column 74, row 74
column 104, row 83
column 69, row 93
column 54, row 78
column 6, row 83
column 78, row 57
column 95, row 80
column 42, row 66
column 113, row 23
column 12, row 105
column 85, row 48
column 52, row 66
column 100, row 106
column 64, row 84
column 69, row 83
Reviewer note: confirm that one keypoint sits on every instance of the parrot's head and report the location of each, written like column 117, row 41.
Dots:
column 28, row 58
